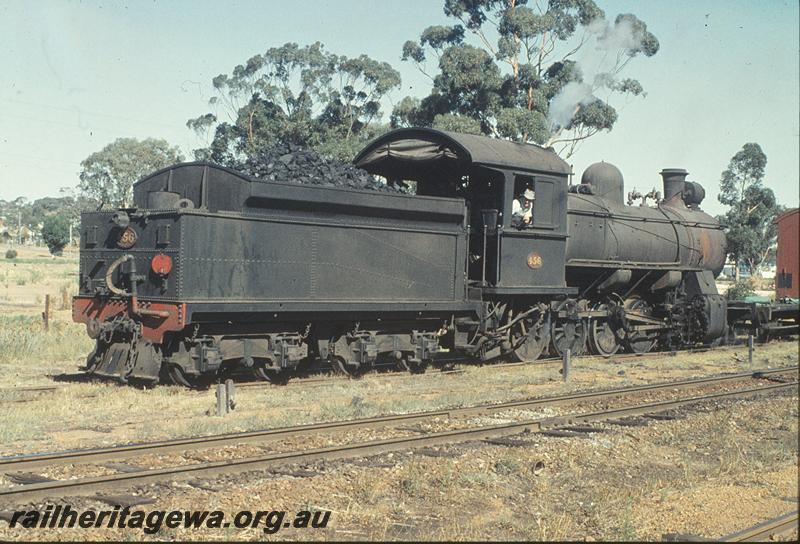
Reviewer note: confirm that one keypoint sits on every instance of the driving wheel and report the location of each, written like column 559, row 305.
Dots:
column 568, row 334
column 603, row 339
column 529, row 337
column 640, row 341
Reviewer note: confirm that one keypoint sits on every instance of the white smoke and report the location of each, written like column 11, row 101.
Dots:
column 615, row 37
column 565, row 104
column 613, row 41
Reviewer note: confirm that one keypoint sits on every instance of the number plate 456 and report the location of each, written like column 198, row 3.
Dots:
column 534, row 260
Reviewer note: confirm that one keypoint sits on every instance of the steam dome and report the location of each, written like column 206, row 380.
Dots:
column 606, row 181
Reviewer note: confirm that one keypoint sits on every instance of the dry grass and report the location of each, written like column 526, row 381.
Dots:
column 91, row 414
column 624, row 484
column 24, row 343
column 26, row 280
column 610, row 486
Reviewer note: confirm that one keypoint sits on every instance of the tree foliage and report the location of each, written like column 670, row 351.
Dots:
column 55, row 232
column 740, row 290
column 71, row 203
column 521, row 78
column 295, row 95
column 22, row 213
column 107, row 176
column 750, row 220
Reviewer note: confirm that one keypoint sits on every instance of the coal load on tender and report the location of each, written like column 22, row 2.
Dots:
column 295, row 164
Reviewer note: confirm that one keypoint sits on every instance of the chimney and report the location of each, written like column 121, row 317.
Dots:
column 674, row 182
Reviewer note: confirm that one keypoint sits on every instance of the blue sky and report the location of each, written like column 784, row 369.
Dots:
column 76, row 75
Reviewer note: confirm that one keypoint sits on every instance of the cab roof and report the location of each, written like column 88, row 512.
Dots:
column 403, row 153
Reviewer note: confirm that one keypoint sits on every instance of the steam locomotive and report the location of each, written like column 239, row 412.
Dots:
column 212, row 271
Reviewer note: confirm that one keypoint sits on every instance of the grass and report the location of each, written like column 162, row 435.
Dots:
column 612, row 486
column 27, row 353
column 627, row 531
column 35, row 275
column 26, row 280
column 24, row 342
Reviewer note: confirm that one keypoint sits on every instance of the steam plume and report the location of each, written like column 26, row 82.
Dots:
column 613, row 42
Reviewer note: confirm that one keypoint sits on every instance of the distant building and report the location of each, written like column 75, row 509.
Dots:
column 787, row 277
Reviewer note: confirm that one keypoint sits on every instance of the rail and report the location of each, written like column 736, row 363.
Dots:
column 61, row 488
column 766, row 531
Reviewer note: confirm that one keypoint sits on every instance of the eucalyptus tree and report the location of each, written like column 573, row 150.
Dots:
column 750, row 220
column 532, row 74
column 107, row 176
column 298, row 95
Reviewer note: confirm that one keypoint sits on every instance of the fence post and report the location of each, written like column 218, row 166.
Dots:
column 221, row 408
column 565, row 368
column 750, row 348
column 46, row 313
column 230, row 395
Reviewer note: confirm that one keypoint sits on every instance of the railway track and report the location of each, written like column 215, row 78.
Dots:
column 782, row 526
column 38, row 491
column 28, row 462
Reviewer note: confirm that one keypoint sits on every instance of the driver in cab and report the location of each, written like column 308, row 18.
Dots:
column 522, row 209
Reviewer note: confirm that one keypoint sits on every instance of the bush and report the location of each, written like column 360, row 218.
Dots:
column 740, row 289
column 55, row 232
column 11, row 254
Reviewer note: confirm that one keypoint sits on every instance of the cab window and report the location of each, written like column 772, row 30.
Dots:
column 523, row 210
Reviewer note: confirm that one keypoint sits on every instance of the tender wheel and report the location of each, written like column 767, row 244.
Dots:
column 603, row 340
column 179, row 377
column 414, row 367
column 640, row 342
column 340, row 366
column 528, row 338
column 278, row 377
column 568, row 334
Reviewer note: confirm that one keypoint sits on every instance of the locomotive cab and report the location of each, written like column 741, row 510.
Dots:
column 504, row 259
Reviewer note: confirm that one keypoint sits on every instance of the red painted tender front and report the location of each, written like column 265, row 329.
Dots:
column 94, row 311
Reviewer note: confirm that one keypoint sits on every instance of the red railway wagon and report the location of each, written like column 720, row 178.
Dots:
column 787, row 276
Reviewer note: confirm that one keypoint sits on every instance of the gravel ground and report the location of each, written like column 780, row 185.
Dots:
column 713, row 470
column 85, row 415
column 324, row 439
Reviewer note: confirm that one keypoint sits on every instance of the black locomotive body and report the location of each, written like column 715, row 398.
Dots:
column 212, row 270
